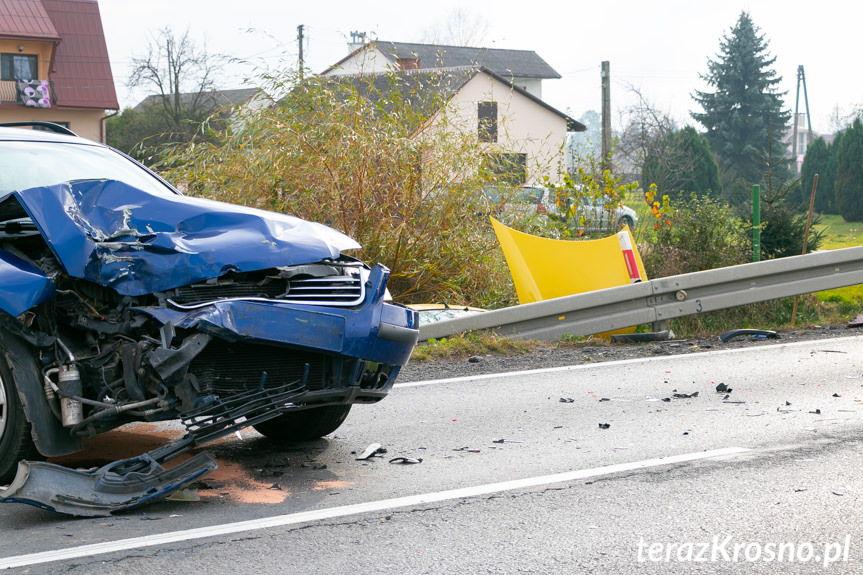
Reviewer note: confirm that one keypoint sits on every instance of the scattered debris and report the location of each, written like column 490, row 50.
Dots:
column 187, row 494
column 566, row 400
column 604, row 425
column 663, row 335
column 685, row 395
column 722, row 388
column 836, row 395
column 816, row 412
column 755, row 333
column 371, row 451
column 506, row 441
column 604, row 399
column 406, row 460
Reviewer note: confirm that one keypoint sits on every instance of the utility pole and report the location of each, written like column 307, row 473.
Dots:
column 801, row 78
column 300, row 41
column 606, row 117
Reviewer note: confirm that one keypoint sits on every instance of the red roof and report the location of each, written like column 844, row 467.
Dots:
column 25, row 19
column 81, row 77
column 81, row 72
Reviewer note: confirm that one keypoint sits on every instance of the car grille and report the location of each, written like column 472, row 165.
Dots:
column 331, row 290
column 225, row 369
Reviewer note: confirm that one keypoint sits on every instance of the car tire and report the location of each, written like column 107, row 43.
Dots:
column 304, row 425
column 16, row 443
column 624, row 221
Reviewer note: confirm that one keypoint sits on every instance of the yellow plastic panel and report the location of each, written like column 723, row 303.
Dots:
column 544, row 268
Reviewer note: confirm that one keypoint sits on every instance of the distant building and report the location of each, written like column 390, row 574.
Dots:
column 521, row 68
column 804, row 138
column 496, row 92
column 230, row 105
column 212, row 101
column 54, row 65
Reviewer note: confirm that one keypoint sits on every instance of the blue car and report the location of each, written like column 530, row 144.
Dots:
column 123, row 300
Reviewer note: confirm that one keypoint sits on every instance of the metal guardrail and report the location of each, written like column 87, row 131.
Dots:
column 662, row 299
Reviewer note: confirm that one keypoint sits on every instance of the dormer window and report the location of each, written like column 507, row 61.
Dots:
column 19, row 67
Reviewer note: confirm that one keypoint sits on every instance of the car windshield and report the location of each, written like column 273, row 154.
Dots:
column 25, row 165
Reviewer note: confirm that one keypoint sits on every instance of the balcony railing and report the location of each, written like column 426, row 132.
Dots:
column 38, row 93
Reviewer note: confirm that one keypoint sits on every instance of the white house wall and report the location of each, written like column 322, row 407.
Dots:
column 365, row 61
column 524, row 126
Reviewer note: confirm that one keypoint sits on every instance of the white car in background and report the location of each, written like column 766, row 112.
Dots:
column 591, row 216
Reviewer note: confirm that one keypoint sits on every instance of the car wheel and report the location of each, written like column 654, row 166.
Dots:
column 304, row 425
column 624, row 221
column 15, row 440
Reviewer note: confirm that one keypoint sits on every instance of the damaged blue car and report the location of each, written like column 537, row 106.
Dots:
column 122, row 300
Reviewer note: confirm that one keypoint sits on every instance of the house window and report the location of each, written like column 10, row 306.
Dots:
column 486, row 115
column 509, row 168
column 19, row 67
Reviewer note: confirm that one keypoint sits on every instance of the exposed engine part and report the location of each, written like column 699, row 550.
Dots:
column 69, row 383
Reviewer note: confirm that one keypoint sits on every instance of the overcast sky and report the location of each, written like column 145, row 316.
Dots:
column 658, row 47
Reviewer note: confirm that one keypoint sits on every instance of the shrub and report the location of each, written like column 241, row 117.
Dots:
column 705, row 235
column 377, row 158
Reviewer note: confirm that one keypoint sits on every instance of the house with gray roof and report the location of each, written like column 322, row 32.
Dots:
column 494, row 93
column 522, row 68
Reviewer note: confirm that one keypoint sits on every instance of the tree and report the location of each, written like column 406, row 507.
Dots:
column 459, row 29
column 183, row 78
column 817, row 161
column 132, row 131
column 849, row 173
column 644, row 128
column 181, row 74
column 745, row 106
column 682, row 163
column 832, row 162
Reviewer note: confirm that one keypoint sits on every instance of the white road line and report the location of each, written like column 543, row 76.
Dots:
column 818, row 343
column 347, row 510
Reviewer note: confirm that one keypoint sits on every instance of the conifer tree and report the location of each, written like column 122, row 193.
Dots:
column 816, row 161
column 682, row 163
column 849, row 174
column 744, row 111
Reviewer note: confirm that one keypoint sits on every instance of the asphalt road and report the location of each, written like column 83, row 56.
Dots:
column 518, row 476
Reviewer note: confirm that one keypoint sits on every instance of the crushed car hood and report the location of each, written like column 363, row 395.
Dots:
column 140, row 242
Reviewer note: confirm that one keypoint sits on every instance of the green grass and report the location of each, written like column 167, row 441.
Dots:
column 840, row 234
column 843, row 303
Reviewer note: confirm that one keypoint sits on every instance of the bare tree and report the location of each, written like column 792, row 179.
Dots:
column 643, row 128
column 460, row 28
column 182, row 75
